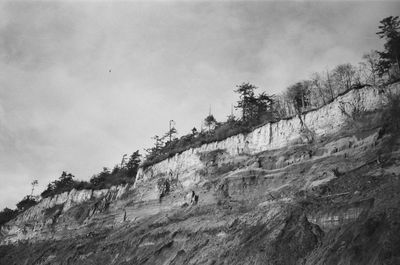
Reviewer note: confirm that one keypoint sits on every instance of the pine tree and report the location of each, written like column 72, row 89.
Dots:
column 390, row 31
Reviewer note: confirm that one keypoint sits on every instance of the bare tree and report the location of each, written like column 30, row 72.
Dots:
column 343, row 75
column 317, row 83
column 34, row 184
column 370, row 67
column 299, row 95
column 329, row 84
column 123, row 160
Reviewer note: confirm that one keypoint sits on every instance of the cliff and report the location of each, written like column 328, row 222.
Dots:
column 51, row 217
column 316, row 189
column 318, row 123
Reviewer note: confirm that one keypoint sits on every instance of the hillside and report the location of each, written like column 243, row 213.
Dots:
column 321, row 188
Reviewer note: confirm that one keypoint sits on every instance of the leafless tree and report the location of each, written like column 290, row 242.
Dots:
column 317, row 83
column 370, row 67
column 343, row 76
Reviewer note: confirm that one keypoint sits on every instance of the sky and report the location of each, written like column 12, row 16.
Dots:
column 82, row 83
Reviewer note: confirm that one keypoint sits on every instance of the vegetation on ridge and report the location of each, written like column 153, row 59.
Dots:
column 378, row 68
column 122, row 173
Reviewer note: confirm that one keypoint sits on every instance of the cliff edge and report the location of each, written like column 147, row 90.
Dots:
column 321, row 188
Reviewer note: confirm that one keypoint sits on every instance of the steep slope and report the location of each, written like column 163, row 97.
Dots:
column 322, row 193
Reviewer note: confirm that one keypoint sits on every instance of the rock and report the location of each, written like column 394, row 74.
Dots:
column 324, row 121
column 48, row 210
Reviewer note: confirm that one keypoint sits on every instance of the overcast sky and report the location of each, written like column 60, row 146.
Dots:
column 62, row 109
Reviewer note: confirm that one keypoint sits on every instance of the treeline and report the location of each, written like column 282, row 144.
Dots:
column 377, row 68
column 122, row 173
column 7, row 214
column 255, row 109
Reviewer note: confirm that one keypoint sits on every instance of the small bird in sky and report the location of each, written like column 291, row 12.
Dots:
column 109, row 71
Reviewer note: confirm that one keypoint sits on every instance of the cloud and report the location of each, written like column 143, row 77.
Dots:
column 62, row 109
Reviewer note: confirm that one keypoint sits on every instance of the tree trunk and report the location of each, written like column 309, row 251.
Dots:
column 329, row 84
column 322, row 95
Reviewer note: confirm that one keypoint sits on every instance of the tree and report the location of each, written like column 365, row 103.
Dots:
column 158, row 143
column 298, row 94
column 172, row 132
column 117, row 168
column 329, row 85
column 123, row 160
column 247, row 98
column 317, row 82
column 133, row 164
column 66, row 182
column 26, row 203
column 66, row 179
column 170, row 135
column 231, row 119
column 370, row 67
column 343, row 76
column 390, row 31
column 281, row 107
column 263, row 108
column 157, row 148
column 254, row 108
column 6, row 215
column 34, row 183
column 210, row 121
column 100, row 179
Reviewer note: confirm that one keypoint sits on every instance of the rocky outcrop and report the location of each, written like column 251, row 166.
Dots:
column 339, row 216
column 44, row 217
column 324, row 121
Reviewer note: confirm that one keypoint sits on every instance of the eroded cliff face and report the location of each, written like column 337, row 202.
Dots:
column 322, row 193
column 61, row 215
column 187, row 166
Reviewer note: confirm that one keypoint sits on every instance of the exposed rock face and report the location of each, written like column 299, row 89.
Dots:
column 37, row 221
column 340, row 216
column 283, row 194
column 324, row 121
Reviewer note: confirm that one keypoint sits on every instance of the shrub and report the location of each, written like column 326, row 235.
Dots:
column 106, row 179
column 121, row 174
column 221, row 132
column 63, row 184
column 6, row 215
column 26, row 203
